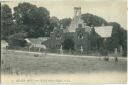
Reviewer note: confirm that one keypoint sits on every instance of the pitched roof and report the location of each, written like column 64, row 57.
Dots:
column 37, row 40
column 104, row 31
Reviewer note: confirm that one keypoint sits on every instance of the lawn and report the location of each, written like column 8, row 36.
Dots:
column 25, row 67
column 26, row 63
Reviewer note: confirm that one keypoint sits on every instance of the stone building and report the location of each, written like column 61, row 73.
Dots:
column 78, row 32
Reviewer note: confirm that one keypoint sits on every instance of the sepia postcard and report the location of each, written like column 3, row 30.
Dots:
column 63, row 42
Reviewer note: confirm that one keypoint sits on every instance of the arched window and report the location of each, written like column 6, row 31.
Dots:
column 80, row 36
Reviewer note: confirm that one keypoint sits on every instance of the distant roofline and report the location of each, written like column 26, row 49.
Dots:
column 77, row 7
column 103, row 26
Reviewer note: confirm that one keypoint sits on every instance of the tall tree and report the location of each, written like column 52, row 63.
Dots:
column 123, row 40
column 0, row 19
column 117, row 39
column 35, row 20
column 91, row 19
column 54, row 22
column 6, row 21
column 65, row 22
column 115, row 36
column 96, row 42
column 17, row 40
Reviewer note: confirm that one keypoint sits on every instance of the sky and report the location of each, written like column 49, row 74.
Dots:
column 110, row 10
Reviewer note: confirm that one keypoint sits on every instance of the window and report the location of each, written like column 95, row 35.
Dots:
column 79, row 25
column 80, row 36
column 58, row 46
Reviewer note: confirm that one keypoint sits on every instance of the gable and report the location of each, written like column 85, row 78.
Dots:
column 104, row 31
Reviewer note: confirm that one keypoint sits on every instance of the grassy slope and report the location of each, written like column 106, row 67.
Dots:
column 24, row 63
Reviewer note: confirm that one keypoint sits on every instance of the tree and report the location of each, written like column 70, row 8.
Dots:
column 123, row 41
column 6, row 22
column 118, row 38
column 35, row 20
column 65, row 22
column 68, row 44
column 91, row 19
column 96, row 41
column 115, row 36
column 17, row 40
column 0, row 19
column 54, row 22
column 22, row 11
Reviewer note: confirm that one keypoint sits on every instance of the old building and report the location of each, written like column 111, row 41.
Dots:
column 77, row 32
column 77, row 35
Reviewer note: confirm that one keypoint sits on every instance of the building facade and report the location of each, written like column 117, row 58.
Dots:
column 77, row 32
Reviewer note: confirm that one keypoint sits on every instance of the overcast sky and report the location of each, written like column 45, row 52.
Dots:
column 110, row 10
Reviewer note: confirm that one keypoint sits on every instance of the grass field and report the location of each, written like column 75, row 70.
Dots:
column 27, row 64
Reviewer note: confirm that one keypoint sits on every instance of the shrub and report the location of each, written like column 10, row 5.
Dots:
column 68, row 44
column 17, row 40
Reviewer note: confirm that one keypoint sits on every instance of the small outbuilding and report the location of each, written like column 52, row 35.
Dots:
column 4, row 44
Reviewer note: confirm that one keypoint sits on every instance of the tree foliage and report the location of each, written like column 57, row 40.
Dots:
column 17, row 40
column 96, row 42
column 91, row 19
column 6, row 22
column 0, row 19
column 118, row 37
column 68, row 44
column 35, row 20
column 28, row 20
column 54, row 22
column 65, row 22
